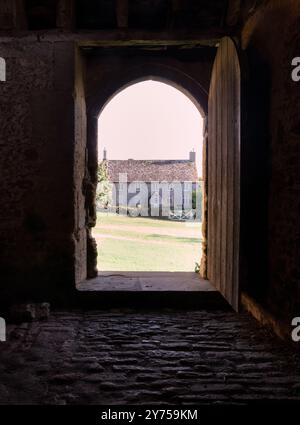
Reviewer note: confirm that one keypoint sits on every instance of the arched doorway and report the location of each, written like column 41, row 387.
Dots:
column 106, row 90
column 226, row 77
column 150, row 134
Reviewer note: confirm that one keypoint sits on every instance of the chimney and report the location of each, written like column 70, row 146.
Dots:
column 193, row 156
column 104, row 154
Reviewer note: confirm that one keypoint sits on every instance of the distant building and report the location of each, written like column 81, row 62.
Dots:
column 180, row 176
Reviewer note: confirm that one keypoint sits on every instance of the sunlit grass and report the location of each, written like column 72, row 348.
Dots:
column 146, row 244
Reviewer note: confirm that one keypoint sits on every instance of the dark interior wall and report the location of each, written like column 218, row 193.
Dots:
column 273, row 33
column 255, row 174
column 111, row 70
column 36, row 164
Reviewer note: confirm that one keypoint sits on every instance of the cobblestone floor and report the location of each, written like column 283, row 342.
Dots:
column 138, row 358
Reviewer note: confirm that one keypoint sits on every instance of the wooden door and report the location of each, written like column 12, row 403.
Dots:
column 224, row 128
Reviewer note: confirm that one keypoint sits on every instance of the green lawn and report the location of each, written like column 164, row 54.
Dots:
column 146, row 244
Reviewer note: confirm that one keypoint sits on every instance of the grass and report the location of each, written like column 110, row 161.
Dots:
column 115, row 219
column 146, row 244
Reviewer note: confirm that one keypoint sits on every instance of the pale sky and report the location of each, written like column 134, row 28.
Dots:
column 150, row 120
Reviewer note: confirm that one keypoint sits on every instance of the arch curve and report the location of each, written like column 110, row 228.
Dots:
column 149, row 71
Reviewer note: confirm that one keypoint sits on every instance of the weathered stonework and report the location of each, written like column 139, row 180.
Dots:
column 37, row 148
column 118, row 357
column 278, row 48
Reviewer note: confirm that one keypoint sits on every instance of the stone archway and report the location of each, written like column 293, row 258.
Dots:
column 95, row 104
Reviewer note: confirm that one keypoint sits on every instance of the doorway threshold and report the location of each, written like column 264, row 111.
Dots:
column 146, row 282
column 150, row 290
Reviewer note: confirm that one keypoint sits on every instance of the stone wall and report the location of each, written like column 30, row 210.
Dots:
column 36, row 163
column 274, row 33
column 80, row 172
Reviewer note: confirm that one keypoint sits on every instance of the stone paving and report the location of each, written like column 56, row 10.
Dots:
column 130, row 357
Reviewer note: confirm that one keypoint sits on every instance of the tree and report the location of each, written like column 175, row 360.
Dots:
column 103, row 193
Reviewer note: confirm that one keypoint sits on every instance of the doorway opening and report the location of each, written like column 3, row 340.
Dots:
column 149, row 196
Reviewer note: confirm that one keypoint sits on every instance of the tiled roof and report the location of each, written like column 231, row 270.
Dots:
column 153, row 170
